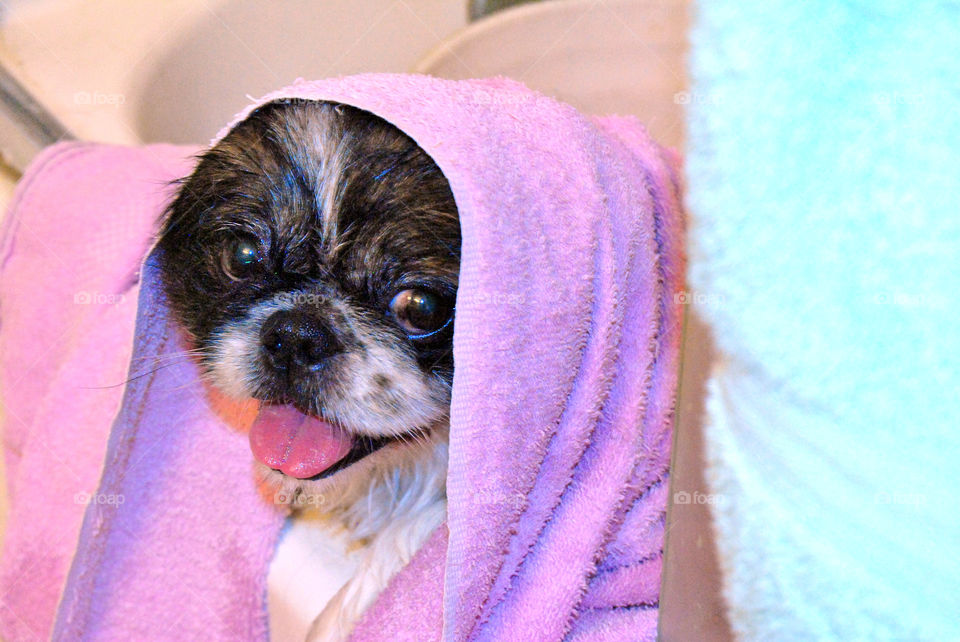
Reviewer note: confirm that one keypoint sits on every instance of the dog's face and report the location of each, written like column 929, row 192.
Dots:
column 312, row 259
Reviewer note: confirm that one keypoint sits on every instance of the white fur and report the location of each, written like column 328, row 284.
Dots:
column 233, row 368
column 330, row 179
column 387, row 553
column 386, row 504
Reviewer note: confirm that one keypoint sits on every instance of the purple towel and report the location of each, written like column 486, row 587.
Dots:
column 566, row 356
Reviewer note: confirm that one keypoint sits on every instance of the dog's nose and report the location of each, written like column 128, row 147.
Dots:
column 293, row 338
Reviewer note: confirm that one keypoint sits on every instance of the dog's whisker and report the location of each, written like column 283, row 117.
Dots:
column 156, row 359
column 130, row 379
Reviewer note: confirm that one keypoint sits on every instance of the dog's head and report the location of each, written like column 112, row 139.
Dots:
column 312, row 260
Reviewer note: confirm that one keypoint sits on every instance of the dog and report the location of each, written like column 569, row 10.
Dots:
column 311, row 260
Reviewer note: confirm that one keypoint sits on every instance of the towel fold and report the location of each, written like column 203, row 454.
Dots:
column 566, row 358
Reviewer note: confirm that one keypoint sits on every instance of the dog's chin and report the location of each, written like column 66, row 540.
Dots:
column 419, row 457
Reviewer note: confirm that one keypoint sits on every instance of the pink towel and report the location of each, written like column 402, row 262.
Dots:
column 566, row 358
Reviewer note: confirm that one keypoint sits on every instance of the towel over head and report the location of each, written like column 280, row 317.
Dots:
column 566, row 352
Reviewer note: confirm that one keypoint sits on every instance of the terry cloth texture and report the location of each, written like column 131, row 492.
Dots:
column 566, row 352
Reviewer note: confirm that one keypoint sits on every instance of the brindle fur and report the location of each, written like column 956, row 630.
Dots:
column 348, row 211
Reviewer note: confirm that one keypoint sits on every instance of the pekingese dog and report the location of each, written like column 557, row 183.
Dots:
column 311, row 260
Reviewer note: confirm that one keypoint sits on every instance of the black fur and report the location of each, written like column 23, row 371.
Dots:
column 394, row 227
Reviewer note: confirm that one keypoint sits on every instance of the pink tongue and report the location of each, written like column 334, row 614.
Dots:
column 301, row 446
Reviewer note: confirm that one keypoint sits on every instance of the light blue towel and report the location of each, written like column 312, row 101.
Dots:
column 824, row 186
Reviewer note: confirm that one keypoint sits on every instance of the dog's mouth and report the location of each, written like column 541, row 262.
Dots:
column 307, row 447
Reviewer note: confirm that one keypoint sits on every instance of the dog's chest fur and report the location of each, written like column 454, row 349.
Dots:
column 314, row 561
column 338, row 564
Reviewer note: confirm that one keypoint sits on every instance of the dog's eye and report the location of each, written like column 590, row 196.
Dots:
column 239, row 256
column 420, row 313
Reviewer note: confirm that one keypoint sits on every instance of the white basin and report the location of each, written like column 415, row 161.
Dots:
column 601, row 56
column 132, row 71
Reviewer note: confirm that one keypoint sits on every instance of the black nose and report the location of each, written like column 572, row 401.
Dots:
column 292, row 338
